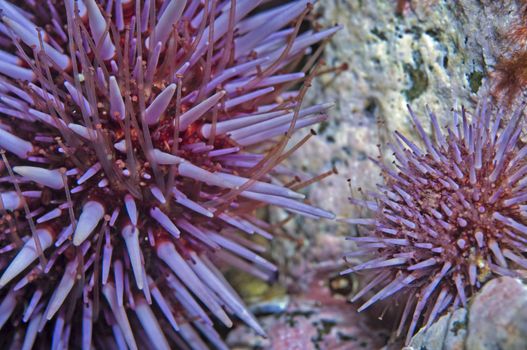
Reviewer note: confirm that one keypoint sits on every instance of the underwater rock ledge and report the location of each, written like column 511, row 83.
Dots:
column 495, row 319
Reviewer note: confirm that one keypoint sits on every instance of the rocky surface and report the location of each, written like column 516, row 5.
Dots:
column 496, row 318
column 315, row 320
column 438, row 53
column 449, row 332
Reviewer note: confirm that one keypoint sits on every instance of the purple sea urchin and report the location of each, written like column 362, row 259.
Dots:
column 450, row 217
column 139, row 137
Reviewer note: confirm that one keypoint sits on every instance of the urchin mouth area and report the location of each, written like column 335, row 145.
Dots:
column 465, row 202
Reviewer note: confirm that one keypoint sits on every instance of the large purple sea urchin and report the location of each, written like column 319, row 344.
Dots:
column 451, row 216
column 138, row 138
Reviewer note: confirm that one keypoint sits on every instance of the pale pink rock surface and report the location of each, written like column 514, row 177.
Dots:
column 496, row 319
column 314, row 320
column 498, row 316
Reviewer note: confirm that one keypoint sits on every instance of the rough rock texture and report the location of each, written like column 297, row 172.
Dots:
column 449, row 332
column 314, row 320
column 438, row 53
column 496, row 319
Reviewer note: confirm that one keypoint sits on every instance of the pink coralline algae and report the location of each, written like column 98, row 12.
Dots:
column 450, row 216
column 137, row 140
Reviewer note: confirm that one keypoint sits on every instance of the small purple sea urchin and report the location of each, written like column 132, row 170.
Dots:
column 138, row 138
column 452, row 216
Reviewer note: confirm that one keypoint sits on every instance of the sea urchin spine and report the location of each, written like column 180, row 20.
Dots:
column 450, row 217
column 139, row 137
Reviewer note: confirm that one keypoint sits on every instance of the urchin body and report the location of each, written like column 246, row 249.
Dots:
column 132, row 137
column 448, row 218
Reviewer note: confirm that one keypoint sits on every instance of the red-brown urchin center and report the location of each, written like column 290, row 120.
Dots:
column 465, row 213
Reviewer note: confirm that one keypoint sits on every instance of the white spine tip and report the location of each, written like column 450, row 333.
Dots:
column 156, row 109
column 163, row 158
column 131, row 238
column 45, row 177
column 92, row 213
column 164, row 221
column 83, row 131
column 98, row 28
column 27, row 255
column 120, row 146
column 14, row 144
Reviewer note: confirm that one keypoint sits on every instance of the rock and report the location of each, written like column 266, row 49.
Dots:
column 437, row 53
column 314, row 320
column 448, row 332
column 498, row 316
column 496, row 319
